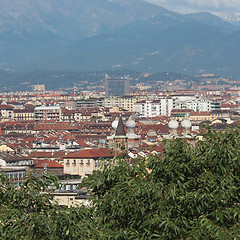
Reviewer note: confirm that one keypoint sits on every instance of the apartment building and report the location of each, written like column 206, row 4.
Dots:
column 161, row 107
column 47, row 113
column 125, row 102
column 25, row 114
column 84, row 162
column 201, row 105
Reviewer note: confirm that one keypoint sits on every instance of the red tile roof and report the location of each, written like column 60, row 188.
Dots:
column 19, row 146
column 58, row 154
column 54, row 126
column 203, row 113
column 91, row 153
column 40, row 155
column 6, row 107
column 47, row 164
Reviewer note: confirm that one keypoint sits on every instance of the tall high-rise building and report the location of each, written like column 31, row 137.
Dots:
column 39, row 88
column 116, row 86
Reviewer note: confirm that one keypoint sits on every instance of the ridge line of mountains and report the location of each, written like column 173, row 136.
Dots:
column 97, row 35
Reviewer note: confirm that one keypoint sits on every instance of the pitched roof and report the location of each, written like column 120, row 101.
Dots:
column 47, row 164
column 48, row 125
column 90, row 153
column 6, row 107
column 11, row 157
column 40, row 155
column 58, row 154
column 120, row 131
column 19, row 146
column 202, row 113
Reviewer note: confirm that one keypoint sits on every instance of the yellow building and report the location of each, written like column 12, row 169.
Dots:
column 197, row 117
column 84, row 162
column 26, row 114
column 127, row 102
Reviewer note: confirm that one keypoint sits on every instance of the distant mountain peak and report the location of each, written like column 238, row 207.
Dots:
column 107, row 34
column 210, row 19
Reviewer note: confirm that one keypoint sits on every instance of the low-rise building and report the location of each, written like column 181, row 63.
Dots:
column 6, row 111
column 16, row 174
column 198, row 117
column 180, row 114
column 12, row 159
column 25, row 114
column 47, row 166
column 84, row 162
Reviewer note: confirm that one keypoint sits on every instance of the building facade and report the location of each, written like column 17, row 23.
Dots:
column 84, row 162
column 201, row 105
column 116, row 86
column 162, row 107
column 47, row 113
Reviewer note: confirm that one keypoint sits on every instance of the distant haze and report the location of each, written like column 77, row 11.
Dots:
column 219, row 7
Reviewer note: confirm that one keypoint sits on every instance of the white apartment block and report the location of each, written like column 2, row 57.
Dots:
column 161, row 107
column 200, row 105
column 47, row 113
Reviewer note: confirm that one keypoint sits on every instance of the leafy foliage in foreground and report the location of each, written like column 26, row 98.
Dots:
column 25, row 213
column 192, row 192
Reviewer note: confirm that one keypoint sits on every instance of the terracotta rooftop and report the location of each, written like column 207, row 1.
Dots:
column 91, row 153
column 40, row 155
column 54, row 126
column 204, row 113
column 47, row 164
column 6, row 107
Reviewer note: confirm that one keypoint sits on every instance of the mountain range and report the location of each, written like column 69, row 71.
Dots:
column 80, row 35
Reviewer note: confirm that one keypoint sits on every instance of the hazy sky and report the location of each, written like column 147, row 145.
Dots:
column 218, row 7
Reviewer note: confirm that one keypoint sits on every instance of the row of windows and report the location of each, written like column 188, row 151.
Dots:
column 74, row 162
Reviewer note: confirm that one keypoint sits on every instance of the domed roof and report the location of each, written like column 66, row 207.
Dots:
column 173, row 124
column 130, row 123
column 115, row 123
column 186, row 124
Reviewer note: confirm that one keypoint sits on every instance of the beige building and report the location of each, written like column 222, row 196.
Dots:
column 127, row 103
column 197, row 117
column 84, row 162
column 26, row 114
column 124, row 102
column 180, row 114
column 82, row 116
column 71, row 199
column 220, row 114
column 6, row 148
column 19, row 148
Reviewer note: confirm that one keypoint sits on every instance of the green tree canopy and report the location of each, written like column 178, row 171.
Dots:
column 191, row 192
column 27, row 213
